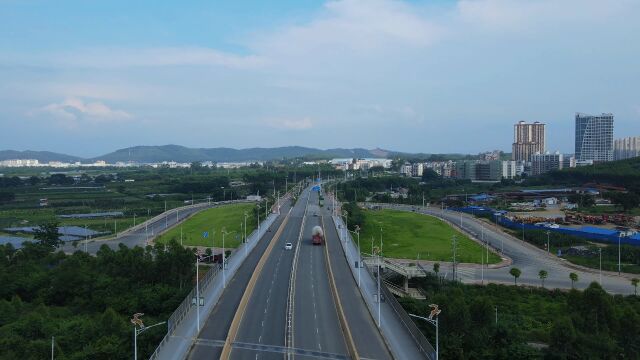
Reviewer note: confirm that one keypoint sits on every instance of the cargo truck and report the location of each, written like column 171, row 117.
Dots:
column 317, row 237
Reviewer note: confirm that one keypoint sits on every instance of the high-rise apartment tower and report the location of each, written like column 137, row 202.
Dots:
column 528, row 139
column 594, row 137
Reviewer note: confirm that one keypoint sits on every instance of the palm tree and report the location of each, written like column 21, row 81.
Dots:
column 436, row 268
column 543, row 275
column 515, row 272
column 634, row 282
column 574, row 278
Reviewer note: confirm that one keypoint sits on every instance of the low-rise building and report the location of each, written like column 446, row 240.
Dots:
column 542, row 163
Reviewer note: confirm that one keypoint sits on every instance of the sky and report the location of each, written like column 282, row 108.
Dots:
column 439, row 76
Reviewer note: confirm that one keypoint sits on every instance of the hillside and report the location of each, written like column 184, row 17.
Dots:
column 41, row 156
column 184, row 154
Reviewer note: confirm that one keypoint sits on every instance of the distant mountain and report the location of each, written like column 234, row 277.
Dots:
column 147, row 154
column 41, row 156
column 153, row 154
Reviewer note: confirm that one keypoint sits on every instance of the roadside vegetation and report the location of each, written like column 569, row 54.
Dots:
column 86, row 301
column 512, row 322
column 212, row 221
column 407, row 235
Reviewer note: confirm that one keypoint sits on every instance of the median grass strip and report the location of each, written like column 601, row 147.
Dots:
column 212, row 221
column 407, row 235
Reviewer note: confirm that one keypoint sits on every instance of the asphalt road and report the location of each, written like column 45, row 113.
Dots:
column 216, row 326
column 316, row 323
column 366, row 336
column 529, row 259
column 138, row 237
column 264, row 321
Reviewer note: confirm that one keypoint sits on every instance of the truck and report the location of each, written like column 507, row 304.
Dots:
column 317, row 237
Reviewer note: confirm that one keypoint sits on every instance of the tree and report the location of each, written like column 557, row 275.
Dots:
column 543, row 275
column 6, row 196
column 574, row 278
column 430, row 175
column 436, row 268
column 515, row 272
column 47, row 234
column 634, row 282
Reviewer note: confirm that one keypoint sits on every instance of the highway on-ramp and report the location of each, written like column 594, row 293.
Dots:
column 528, row 258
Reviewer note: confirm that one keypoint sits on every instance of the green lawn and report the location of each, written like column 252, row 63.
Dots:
column 212, row 221
column 407, row 235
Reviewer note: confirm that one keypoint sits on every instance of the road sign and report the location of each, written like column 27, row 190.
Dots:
column 316, row 188
column 205, row 234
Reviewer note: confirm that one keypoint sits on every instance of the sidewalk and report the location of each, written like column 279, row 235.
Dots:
column 398, row 338
column 176, row 345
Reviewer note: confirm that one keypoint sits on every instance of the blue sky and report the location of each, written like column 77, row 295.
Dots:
column 88, row 77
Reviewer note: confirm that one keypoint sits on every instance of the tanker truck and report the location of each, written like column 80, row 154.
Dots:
column 317, row 237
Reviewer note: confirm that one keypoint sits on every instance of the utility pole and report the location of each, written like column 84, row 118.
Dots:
column 454, row 240
column 52, row 346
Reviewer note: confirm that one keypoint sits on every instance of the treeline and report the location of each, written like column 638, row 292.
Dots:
column 624, row 173
column 500, row 322
column 85, row 301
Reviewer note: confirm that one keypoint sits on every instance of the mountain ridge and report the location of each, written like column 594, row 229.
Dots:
column 178, row 153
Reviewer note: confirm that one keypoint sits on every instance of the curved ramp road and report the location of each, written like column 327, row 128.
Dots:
column 138, row 235
column 528, row 258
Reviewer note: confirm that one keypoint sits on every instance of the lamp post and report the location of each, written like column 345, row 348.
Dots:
column 137, row 322
column 600, row 272
column 619, row 257
column 548, row 244
column 245, row 233
column 359, row 254
column 224, row 263
column 433, row 320
column 258, row 213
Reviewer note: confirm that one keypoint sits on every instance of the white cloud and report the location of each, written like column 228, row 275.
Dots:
column 291, row 124
column 120, row 57
column 73, row 110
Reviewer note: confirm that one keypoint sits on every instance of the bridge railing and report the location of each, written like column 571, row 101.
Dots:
column 186, row 305
column 413, row 329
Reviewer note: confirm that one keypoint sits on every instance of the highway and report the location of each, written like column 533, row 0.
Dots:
column 216, row 326
column 366, row 336
column 264, row 321
column 275, row 287
column 528, row 258
column 316, row 323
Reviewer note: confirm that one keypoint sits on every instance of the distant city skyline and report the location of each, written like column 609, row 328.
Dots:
column 443, row 76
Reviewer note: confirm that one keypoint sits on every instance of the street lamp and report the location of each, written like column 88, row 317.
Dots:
column 224, row 264
column 548, row 248
column 357, row 231
column 258, row 213
column 137, row 322
column 346, row 223
column 619, row 258
column 433, row 320
column 245, row 233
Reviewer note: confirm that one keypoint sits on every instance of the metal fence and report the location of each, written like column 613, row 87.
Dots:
column 508, row 223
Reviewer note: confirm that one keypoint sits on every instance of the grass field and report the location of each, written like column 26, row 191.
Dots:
column 408, row 235
column 212, row 221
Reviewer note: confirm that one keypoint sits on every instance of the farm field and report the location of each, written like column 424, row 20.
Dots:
column 213, row 221
column 408, row 235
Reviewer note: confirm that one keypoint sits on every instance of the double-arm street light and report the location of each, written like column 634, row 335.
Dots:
column 357, row 232
column 224, row 262
column 433, row 320
column 139, row 328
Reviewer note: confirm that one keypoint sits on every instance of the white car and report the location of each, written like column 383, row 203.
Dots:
column 288, row 246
